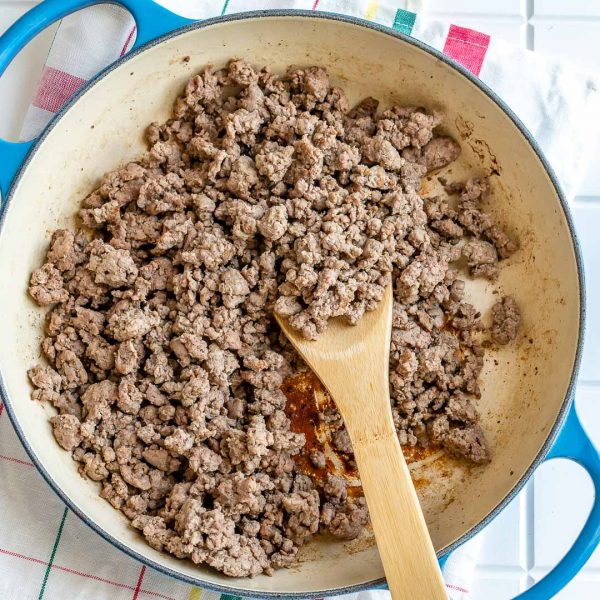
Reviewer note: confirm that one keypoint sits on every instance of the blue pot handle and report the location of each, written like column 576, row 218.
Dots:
column 151, row 20
column 574, row 444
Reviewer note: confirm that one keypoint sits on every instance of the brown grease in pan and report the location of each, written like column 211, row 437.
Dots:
column 306, row 399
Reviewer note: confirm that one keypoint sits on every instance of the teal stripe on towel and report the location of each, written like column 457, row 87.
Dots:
column 404, row 21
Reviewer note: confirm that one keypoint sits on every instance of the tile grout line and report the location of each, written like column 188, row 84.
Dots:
column 530, row 530
column 481, row 17
column 562, row 19
column 529, row 31
column 530, row 37
column 523, row 530
column 53, row 553
column 499, row 571
column 591, row 574
column 584, row 200
column 592, row 384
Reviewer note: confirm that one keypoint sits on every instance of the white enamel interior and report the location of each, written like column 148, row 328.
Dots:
column 522, row 394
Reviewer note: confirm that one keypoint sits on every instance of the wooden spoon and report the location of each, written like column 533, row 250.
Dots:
column 352, row 362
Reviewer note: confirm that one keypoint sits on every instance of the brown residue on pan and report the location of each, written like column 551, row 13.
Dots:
column 480, row 147
column 306, row 399
column 302, row 392
column 414, row 454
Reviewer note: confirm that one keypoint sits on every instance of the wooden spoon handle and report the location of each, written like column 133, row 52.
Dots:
column 406, row 551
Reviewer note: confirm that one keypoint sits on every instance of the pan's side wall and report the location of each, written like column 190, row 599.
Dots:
column 521, row 395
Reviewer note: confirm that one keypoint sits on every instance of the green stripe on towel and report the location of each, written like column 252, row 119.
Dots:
column 404, row 21
column 53, row 553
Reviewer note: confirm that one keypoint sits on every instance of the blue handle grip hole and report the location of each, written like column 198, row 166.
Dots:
column 19, row 84
column 560, row 500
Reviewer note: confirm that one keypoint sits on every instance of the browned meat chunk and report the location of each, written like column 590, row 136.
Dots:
column 47, row 286
column 66, row 431
column 62, row 252
column 440, row 152
column 112, row 267
column 506, row 320
column 45, row 378
column 467, row 442
column 482, row 258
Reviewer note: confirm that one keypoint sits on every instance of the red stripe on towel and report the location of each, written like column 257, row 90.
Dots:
column 16, row 460
column 56, row 87
column 467, row 47
column 138, row 587
column 128, row 40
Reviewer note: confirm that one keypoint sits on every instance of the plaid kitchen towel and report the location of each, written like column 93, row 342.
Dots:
column 45, row 551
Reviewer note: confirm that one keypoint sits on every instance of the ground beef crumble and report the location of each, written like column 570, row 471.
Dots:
column 164, row 362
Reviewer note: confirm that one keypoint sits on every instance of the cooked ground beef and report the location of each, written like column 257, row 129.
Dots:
column 506, row 320
column 165, row 364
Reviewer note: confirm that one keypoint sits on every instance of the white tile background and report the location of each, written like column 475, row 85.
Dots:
column 534, row 532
